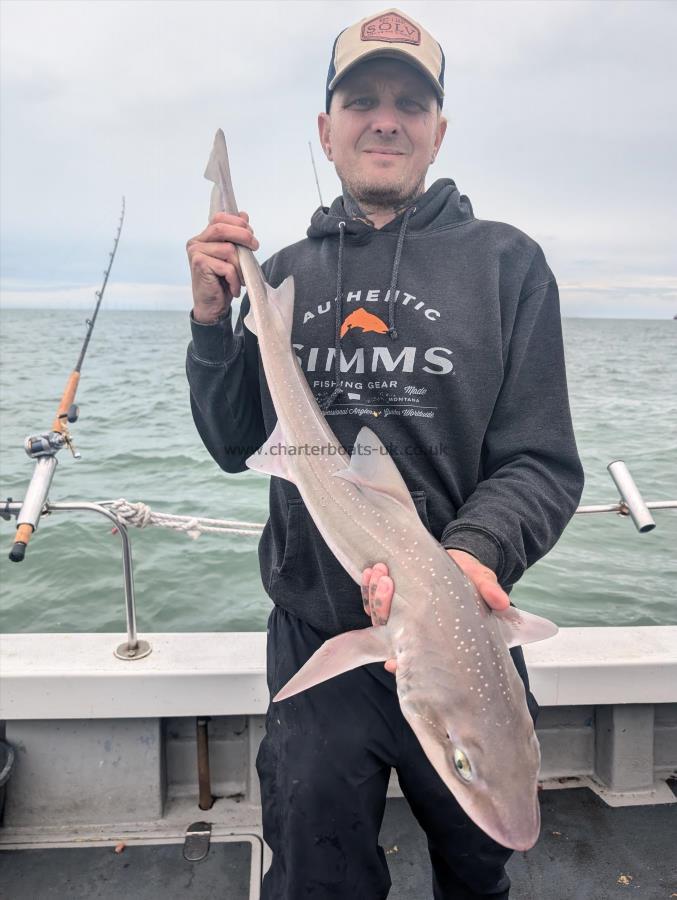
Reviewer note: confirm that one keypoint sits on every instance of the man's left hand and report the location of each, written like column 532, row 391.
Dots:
column 378, row 589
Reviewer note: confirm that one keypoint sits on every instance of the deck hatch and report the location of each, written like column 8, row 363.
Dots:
column 142, row 871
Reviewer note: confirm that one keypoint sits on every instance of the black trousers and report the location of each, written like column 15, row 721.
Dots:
column 324, row 766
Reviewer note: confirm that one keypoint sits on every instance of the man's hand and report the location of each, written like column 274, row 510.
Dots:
column 378, row 589
column 214, row 266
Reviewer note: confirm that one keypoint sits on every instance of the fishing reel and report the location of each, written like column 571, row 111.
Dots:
column 44, row 444
column 50, row 442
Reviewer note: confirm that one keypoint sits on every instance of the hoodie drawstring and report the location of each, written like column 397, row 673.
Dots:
column 338, row 306
column 392, row 331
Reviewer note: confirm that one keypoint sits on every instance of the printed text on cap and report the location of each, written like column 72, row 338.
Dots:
column 392, row 28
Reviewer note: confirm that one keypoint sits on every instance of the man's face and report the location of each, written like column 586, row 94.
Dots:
column 382, row 131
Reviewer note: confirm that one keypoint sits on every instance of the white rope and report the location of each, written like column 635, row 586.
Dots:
column 140, row 515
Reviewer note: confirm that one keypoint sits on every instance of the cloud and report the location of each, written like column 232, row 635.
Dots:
column 562, row 122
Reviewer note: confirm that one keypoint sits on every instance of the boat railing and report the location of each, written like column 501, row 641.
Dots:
column 122, row 514
column 133, row 647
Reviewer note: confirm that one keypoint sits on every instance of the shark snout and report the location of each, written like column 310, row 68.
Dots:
column 518, row 825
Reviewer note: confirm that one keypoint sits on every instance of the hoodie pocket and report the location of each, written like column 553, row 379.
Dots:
column 308, row 568
column 292, row 539
column 421, row 504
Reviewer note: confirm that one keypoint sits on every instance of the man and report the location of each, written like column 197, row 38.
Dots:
column 442, row 333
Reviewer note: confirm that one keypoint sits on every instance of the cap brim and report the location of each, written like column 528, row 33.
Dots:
column 390, row 53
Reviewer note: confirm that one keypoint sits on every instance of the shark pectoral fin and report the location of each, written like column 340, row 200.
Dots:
column 273, row 457
column 338, row 655
column 520, row 627
column 371, row 466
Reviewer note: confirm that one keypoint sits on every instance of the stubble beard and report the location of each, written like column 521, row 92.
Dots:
column 371, row 198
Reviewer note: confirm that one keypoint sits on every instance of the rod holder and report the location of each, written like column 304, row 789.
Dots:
column 631, row 497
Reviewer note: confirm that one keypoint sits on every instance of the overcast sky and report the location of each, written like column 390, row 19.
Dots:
column 562, row 117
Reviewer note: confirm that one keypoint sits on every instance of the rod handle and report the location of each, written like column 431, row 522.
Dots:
column 22, row 537
column 67, row 400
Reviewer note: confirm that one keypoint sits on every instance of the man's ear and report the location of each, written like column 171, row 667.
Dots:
column 324, row 129
column 439, row 136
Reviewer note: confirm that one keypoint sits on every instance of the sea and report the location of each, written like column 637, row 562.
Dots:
column 137, row 441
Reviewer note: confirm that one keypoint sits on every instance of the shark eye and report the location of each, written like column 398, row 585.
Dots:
column 462, row 765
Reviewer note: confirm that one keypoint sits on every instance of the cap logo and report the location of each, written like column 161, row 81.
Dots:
column 391, row 28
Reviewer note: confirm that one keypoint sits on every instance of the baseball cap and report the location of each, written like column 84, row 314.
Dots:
column 390, row 34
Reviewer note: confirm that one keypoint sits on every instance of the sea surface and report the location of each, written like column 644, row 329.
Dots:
column 138, row 441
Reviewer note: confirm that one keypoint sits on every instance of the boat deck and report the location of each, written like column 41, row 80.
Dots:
column 587, row 851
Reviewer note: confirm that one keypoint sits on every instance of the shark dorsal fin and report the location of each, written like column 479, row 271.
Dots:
column 520, row 627
column 372, row 468
column 282, row 299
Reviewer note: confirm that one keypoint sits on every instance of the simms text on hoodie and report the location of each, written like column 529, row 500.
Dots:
column 442, row 333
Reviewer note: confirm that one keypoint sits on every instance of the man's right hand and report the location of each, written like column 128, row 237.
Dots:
column 377, row 596
column 214, row 267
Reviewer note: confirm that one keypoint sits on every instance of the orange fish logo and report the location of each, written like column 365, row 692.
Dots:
column 364, row 320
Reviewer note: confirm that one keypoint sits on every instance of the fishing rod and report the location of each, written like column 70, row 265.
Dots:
column 317, row 180
column 44, row 447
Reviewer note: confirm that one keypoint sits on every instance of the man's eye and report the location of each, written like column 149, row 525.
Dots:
column 409, row 104
column 361, row 102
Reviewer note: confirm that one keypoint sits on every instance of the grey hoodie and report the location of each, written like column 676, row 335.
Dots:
column 446, row 341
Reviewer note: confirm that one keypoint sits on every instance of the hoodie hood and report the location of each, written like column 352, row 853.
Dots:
column 441, row 206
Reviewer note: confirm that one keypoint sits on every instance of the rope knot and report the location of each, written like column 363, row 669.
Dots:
column 137, row 514
column 191, row 527
column 140, row 515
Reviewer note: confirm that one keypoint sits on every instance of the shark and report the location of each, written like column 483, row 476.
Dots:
column 457, row 685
